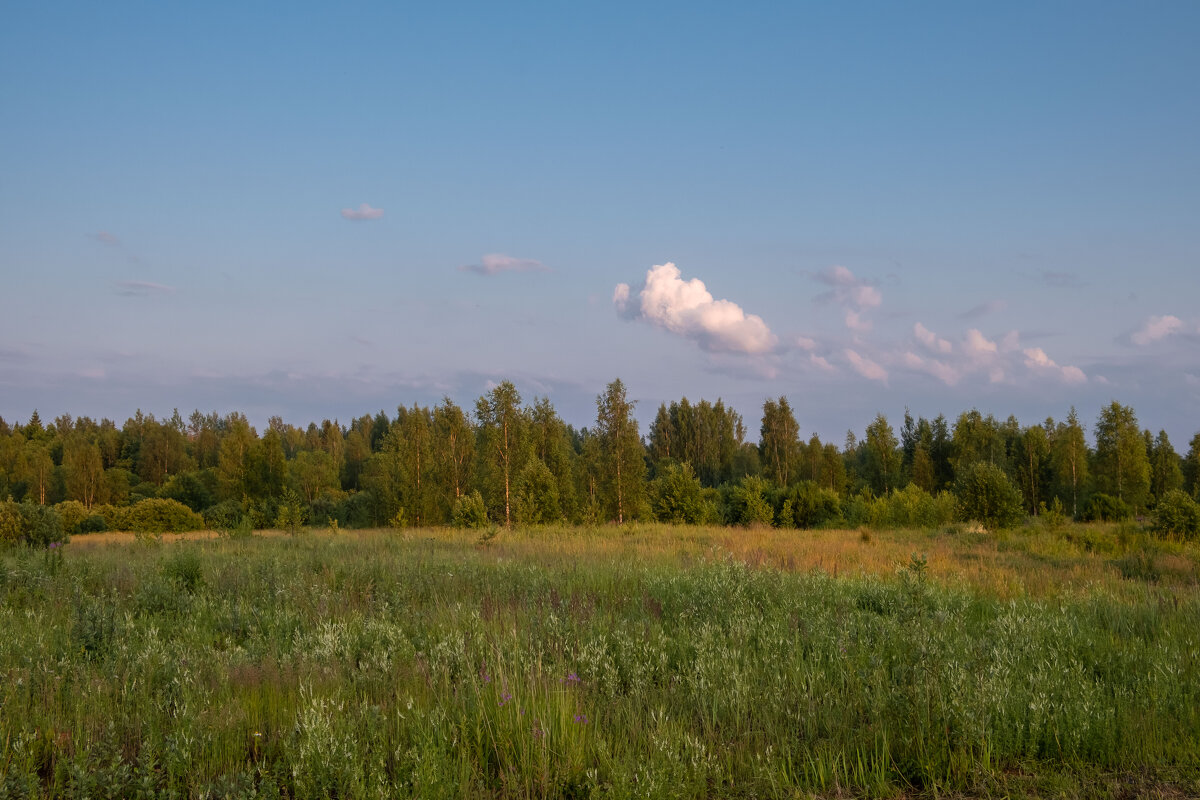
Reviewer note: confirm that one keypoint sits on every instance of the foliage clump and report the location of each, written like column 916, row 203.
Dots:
column 29, row 524
column 160, row 515
column 469, row 512
column 986, row 495
column 1106, row 508
column 677, row 497
column 1177, row 514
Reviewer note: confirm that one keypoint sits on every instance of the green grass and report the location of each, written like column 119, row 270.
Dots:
column 649, row 662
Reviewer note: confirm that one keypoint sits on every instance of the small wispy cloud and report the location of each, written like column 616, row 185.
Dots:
column 983, row 309
column 1036, row 359
column 866, row 367
column 104, row 237
column 495, row 263
column 688, row 309
column 363, row 212
column 1060, row 280
column 141, row 288
column 854, row 294
column 1157, row 328
column 931, row 340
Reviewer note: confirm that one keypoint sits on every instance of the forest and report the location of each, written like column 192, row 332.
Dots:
column 511, row 462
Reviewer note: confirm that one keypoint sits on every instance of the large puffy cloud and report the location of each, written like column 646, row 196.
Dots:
column 495, row 263
column 1157, row 328
column 687, row 308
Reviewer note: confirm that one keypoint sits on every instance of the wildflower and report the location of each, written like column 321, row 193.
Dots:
column 571, row 680
column 504, row 698
column 581, row 719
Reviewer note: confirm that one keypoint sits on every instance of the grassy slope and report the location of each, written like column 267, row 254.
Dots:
column 650, row 661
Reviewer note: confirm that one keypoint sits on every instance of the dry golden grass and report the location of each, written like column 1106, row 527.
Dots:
column 1032, row 562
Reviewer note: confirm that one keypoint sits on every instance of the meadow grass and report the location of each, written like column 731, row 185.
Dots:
column 647, row 661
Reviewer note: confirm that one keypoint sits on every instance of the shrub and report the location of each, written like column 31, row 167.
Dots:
column 985, row 494
column 71, row 513
column 748, row 503
column 224, row 516
column 1177, row 514
column 469, row 512
column 26, row 523
column 159, row 515
column 913, row 507
column 536, row 495
column 93, row 523
column 1106, row 508
column 291, row 515
column 676, row 496
column 810, row 506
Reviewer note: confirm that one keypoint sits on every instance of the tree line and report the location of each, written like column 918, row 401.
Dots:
column 514, row 462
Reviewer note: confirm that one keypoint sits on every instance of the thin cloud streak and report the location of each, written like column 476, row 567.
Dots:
column 141, row 288
column 495, row 263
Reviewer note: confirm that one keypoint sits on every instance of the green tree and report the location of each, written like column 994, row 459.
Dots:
column 985, row 494
column 1069, row 460
column 236, row 457
column 1031, row 455
column 779, row 442
column 1166, row 474
column 1191, row 468
column 882, row 458
column 622, row 452
column 1122, row 467
column 453, row 449
column 502, row 438
column 84, row 470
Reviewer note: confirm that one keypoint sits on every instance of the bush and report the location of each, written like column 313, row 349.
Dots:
column 810, row 506
column 159, row 515
column 224, row 516
column 913, row 507
column 26, row 523
column 536, row 495
column 1106, row 508
column 93, row 523
column 676, row 496
column 469, row 512
column 71, row 513
column 748, row 504
column 1177, row 514
column 985, row 494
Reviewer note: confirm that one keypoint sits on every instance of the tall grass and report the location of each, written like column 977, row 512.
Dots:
column 573, row 664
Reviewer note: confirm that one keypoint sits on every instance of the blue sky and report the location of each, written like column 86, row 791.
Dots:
column 319, row 211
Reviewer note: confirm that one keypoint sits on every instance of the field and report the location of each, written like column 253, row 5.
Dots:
column 646, row 661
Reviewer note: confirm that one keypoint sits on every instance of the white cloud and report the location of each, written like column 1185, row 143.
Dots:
column 977, row 345
column 931, row 340
column 495, row 263
column 805, row 343
column 866, row 367
column 104, row 237
column 1036, row 359
column 1157, row 328
column 852, row 293
column 688, row 309
column 363, row 212
column 932, row 366
column 821, row 363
